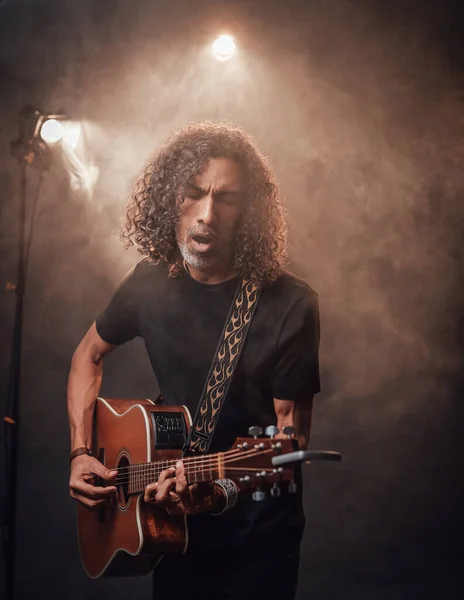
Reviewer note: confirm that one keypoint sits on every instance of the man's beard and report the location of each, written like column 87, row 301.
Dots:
column 202, row 260
column 195, row 259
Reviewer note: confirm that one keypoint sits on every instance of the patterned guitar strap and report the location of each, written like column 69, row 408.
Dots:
column 222, row 368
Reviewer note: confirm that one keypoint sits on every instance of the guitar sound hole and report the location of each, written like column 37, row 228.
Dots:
column 123, row 480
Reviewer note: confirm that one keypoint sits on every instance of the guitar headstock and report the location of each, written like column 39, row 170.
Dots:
column 249, row 461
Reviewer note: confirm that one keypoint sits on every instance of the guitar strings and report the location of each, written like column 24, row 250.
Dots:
column 192, row 469
column 194, row 463
column 139, row 484
column 203, row 464
column 188, row 461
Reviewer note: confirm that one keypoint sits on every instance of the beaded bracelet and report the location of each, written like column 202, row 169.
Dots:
column 231, row 492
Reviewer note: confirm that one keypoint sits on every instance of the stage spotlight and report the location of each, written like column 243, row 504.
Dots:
column 38, row 129
column 224, row 47
column 29, row 147
column 51, row 131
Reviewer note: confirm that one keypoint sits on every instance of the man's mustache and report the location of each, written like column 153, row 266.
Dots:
column 202, row 231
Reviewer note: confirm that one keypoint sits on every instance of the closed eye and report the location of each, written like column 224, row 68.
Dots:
column 229, row 198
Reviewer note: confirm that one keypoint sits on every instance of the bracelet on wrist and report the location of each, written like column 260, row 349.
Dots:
column 230, row 490
column 78, row 452
column 219, row 499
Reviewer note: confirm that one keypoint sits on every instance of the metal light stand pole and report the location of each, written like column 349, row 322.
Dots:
column 30, row 150
column 12, row 418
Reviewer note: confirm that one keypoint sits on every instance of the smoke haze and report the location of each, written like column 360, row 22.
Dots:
column 360, row 109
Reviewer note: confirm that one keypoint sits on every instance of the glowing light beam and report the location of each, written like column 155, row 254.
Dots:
column 71, row 134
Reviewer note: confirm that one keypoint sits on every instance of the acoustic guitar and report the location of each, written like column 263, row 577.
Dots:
column 139, row 439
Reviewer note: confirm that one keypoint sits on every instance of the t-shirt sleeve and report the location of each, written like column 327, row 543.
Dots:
column 296, row 372
column 119, row 322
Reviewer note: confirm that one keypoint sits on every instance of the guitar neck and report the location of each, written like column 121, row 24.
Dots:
column 197, row 469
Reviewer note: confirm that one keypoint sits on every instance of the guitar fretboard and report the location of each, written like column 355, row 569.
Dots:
column 197, row 469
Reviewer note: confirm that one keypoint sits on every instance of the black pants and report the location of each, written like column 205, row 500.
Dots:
column 244, row 574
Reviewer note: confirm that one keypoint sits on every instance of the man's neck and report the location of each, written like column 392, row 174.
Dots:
column 213, row 275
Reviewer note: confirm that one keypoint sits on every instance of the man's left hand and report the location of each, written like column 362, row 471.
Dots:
column 173, row 492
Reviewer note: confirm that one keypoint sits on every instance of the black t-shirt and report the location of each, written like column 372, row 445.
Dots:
column 181, row 321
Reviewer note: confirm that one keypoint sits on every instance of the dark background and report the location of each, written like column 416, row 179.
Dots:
column 359, row 105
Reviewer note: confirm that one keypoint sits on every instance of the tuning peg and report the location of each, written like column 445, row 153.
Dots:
column 289, row 430
column 271, row 431
column 258, row 495
column 255, row 431
column 275, row 489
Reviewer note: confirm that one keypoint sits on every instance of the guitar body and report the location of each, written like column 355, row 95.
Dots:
column 130, row 537
column 141, row 439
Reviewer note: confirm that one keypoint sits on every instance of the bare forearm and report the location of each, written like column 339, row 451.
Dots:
column 295, row 414
column 83, row 388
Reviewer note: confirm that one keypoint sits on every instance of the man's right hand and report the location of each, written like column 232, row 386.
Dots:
column 84, row 470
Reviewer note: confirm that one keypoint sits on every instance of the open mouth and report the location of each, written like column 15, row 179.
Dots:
column 202, row 238
column 203, row 242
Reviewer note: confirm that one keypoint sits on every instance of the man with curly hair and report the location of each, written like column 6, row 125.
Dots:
column 205, row 213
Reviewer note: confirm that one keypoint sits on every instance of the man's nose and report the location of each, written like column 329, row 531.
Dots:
column 206, row 210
